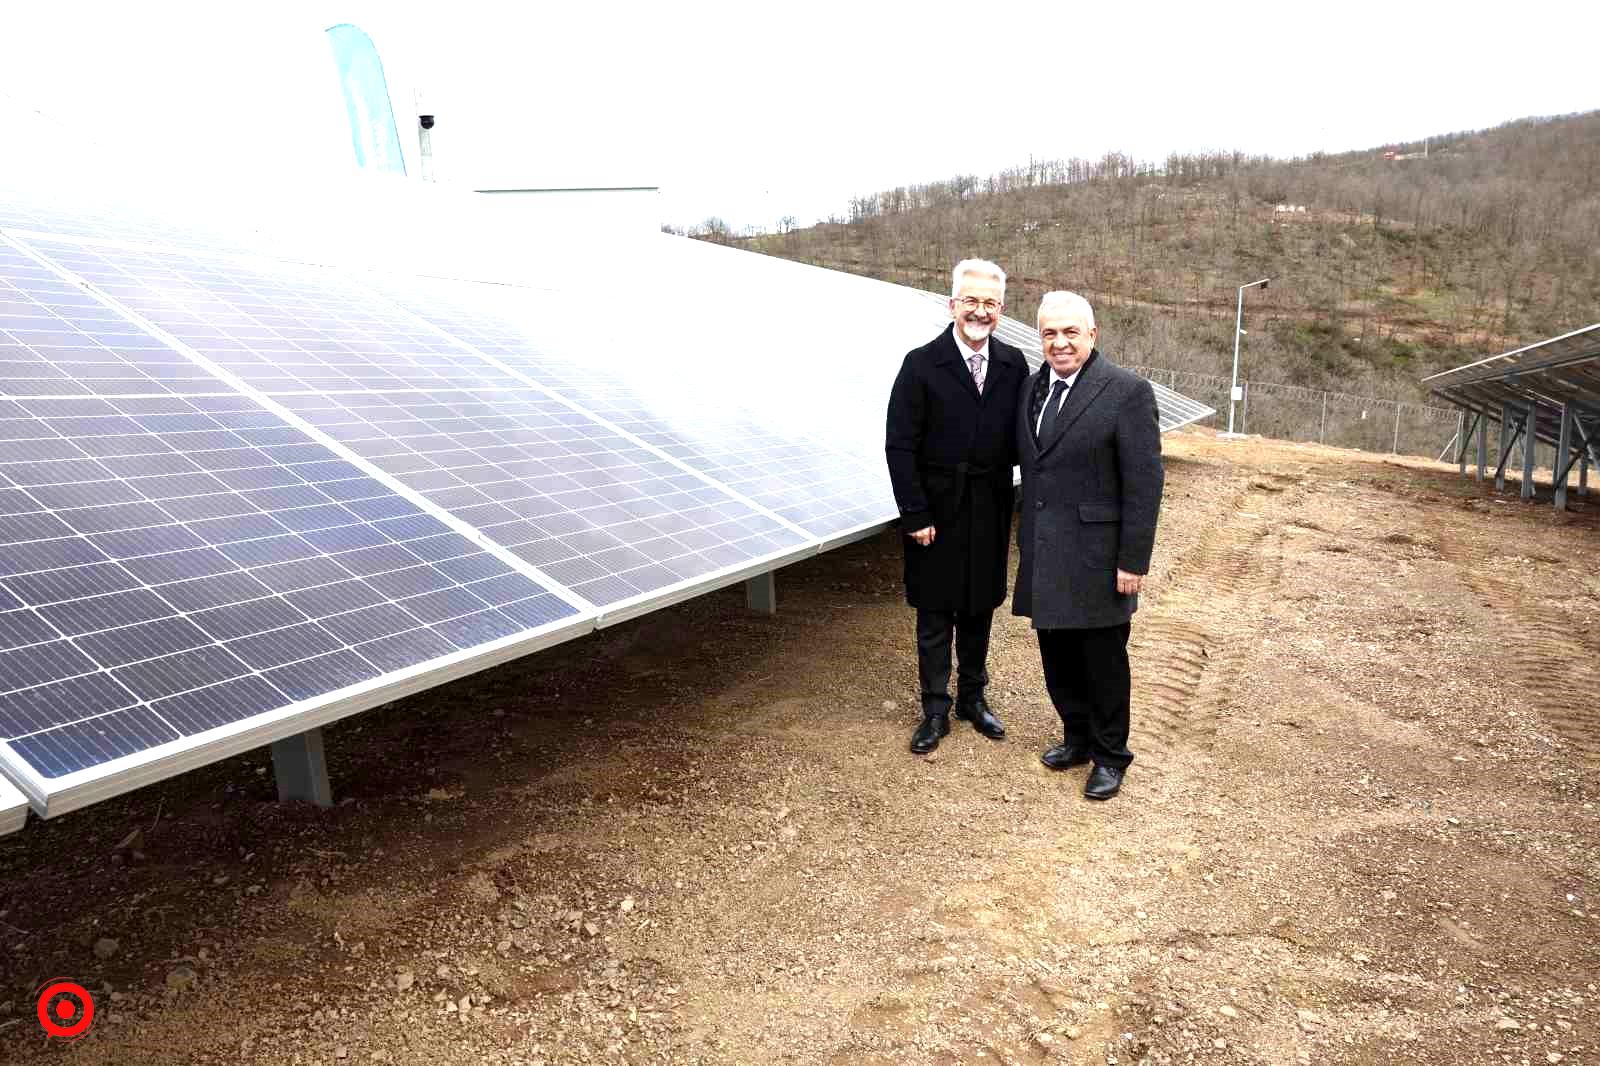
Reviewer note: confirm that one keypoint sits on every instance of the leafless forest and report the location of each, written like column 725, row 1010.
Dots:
column 1464, row 246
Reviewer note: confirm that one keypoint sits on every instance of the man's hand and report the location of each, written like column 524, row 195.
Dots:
column 1129, row 584
column 923, row 536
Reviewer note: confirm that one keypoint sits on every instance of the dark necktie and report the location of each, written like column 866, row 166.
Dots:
column 1052, row 407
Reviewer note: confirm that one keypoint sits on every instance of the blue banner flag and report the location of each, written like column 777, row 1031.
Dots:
column 366, row 99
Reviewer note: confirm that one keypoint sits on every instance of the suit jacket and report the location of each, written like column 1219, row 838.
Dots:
column 950, row 453
column 1091, row 495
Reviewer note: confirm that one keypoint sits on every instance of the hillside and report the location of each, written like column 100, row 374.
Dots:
column 1383, row 269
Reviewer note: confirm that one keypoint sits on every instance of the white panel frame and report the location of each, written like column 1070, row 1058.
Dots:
column 13, row 808
column 53, row 796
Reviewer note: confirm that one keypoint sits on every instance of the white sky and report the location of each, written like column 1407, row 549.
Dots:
column 753, row 111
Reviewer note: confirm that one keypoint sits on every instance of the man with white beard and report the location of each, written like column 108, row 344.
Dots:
column 951, row 444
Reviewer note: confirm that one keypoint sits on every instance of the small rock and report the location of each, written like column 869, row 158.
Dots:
column 1554, row 1056
column 1044, row 1039
column 1073, row 1032
column 182, row 979
column 1219, row 1044
column 1507, row 1024
column 104, row 948
column 1360, row 956
column 404, row 980
column 341, row 1052
column 627, row 904
column 220, row 880
column 591, row 928
column 1227, row 1012
column 134, row 841
column 464, row 1004
column 890, row 705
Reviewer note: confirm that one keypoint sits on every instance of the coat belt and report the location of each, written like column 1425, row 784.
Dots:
column 962, row 471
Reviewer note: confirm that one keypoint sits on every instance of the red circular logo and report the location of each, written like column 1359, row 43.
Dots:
column 60, row 1002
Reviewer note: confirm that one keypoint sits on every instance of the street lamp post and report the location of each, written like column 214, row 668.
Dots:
column 1238, row 324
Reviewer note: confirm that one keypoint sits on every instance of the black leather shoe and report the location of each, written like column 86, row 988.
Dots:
column 1063, row 756
column 933, row 727
column 1104, row 781
column 982, row 718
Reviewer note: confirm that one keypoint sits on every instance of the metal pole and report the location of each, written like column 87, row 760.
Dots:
column 1528, row 450
column 1583, row 473
column 1461, row 440
column 1238, row 323
column 1563, row 467
column 1483, row 442
column 1322, row 434
column 1506, row 440
column 1395, row 450
column 1244, row 412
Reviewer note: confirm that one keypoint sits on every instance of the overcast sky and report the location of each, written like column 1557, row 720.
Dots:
column 754, row 111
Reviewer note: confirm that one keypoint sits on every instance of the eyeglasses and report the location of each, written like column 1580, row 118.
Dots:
column 972, row 303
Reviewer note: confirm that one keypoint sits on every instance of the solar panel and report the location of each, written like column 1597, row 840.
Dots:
column 1176, row 410
column 182, row 572
column 13, row 808
column 611, row 518
column 802, row 477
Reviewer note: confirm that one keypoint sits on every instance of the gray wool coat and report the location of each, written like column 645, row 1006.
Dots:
column 1091, row 495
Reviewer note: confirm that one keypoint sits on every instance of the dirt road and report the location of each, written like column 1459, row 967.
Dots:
column 1361, row 828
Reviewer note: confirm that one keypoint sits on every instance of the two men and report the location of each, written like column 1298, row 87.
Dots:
column 951, row 444
column 1087, row 435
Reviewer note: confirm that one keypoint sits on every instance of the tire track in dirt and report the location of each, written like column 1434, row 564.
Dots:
column 1556, row 665
column 1186, row 646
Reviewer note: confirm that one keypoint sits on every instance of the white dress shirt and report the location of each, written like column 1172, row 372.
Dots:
column 1054, row 377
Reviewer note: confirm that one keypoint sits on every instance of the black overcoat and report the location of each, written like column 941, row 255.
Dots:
column 1091, row 495
column 951, row 453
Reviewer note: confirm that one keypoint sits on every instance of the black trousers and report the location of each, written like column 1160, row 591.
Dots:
column 1086, row 673
column 971, row 633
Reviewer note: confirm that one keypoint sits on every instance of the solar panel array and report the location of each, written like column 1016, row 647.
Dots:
column 243, row 495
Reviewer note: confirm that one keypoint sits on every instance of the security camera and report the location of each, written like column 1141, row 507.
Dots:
column 426, row 121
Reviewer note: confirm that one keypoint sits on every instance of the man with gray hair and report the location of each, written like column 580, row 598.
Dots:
column 1089, row 440
column 950, row 444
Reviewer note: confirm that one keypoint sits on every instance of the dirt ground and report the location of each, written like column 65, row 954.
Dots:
column 1361, row 827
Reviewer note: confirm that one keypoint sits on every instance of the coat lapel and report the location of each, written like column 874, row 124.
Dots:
column 1087, row 386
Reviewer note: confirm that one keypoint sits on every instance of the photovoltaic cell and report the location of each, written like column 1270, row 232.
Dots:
column 597, row 512
column 811, row 483
column 170, row 565
column 281, row 328
column 58, row 340
column 591, row 508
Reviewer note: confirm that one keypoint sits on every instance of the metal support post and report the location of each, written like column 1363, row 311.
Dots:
column 1563, row 457
column 1395, row 450
column 1583, row 473
column 1322, row 435
column 1529, row 449
column 1244, row 412
column 302, row 769
column 1483, row 443
column 761, row 593
column 1461, row 440
column 1508, row 437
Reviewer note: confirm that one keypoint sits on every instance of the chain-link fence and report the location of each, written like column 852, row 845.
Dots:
column 1293, row 412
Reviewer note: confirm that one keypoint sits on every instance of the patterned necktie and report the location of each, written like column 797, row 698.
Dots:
column 1052, row 407
column 976, row 363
